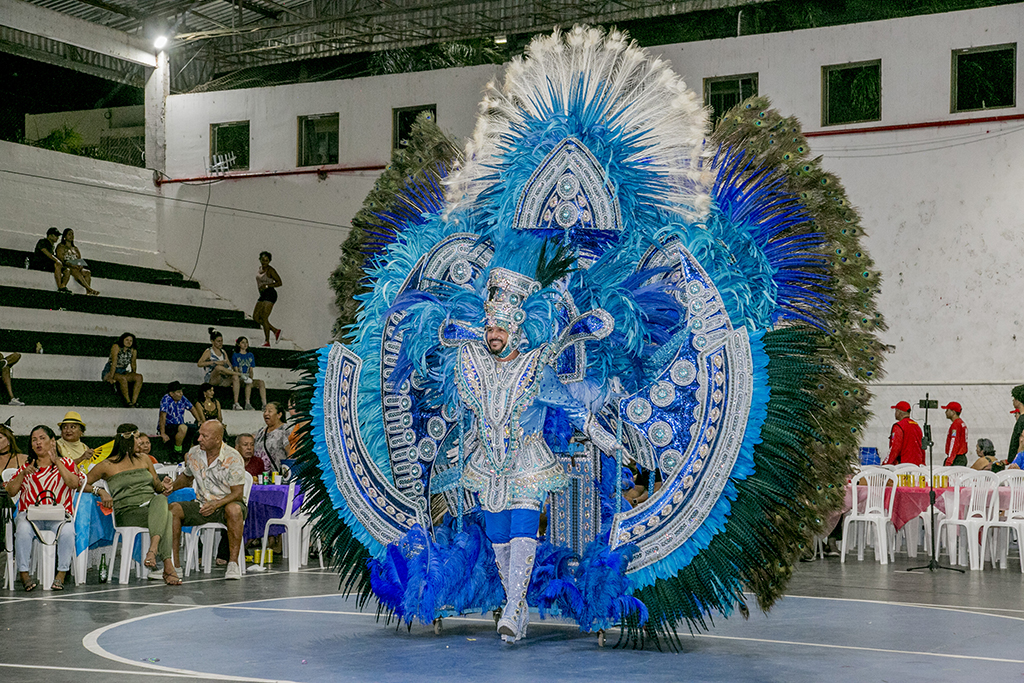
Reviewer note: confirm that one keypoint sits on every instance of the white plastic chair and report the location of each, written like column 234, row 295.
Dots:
column 44, row 550
column 7, row 475
column 876, row 514
column 1010, row 522
column 211, row 538
column 969, row 520
column 126, row 535
column 914, row 528
column 296, row 538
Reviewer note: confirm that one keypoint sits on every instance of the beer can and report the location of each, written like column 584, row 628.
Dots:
column 269, row 556
column 256, row 556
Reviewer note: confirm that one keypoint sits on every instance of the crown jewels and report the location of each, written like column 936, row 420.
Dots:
column 506, row 292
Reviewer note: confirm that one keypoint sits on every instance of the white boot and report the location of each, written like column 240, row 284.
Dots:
column 516, row 615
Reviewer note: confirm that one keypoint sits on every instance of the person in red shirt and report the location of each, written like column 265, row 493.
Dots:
column 956, row 439
column 905, row 439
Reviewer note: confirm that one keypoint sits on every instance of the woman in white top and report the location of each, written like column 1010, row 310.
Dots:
column 218, row 368
column 272, row 445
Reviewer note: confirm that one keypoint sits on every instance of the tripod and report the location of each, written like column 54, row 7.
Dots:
column 933, row 562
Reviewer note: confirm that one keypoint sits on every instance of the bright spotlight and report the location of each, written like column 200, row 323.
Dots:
column 160, row 42
column 500, row 40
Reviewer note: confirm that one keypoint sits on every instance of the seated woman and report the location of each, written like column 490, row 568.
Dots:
column 136, row 494
column 11, row 458
column 272, row 445
column 207, row 405
column 218, row 368
column 44, row 479
column 243, row 362
column 120, row 368
column 986, row 451
column 143, row 446
column 74, row 264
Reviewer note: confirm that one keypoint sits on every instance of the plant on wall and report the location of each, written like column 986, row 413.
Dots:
column 429, row 151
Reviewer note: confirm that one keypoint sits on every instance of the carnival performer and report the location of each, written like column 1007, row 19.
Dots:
column 512, row 468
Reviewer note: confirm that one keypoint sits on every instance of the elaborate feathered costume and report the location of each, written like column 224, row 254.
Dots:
column 702, row 302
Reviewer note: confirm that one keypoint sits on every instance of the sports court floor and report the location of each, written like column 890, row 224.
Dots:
column 854, row 622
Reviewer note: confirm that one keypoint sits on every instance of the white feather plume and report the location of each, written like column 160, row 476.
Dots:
column 637, row 92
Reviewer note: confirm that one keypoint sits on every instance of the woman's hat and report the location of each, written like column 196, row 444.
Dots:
column 73, row 418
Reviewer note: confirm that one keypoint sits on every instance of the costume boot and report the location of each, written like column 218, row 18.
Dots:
column 516, row 616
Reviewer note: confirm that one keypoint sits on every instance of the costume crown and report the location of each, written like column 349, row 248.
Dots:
column 506, row 292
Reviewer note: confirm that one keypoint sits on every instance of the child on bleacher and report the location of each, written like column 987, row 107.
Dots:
column 243, row 361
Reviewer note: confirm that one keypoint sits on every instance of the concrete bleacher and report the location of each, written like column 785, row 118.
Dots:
column 169, row 316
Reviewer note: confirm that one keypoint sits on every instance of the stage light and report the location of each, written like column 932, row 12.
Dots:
column 160, row 42
column 500, row 40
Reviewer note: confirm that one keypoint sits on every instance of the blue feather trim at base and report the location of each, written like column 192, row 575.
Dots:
column 421, row 579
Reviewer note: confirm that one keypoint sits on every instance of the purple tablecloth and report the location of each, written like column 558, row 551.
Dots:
column 267, row 502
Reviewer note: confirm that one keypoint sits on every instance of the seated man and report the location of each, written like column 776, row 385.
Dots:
column 217, row 472
column 44, row 258
column 246, row 445
column 173, row 405
column 5, row 374
column 70, row 444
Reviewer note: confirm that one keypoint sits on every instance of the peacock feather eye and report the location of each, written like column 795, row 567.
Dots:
column 787, row 156
column 761, row 114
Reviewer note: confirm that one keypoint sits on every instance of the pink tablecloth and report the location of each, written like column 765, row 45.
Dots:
column 911, row 501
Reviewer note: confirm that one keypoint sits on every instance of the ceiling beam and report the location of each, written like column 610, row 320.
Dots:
column 126, row 77
column 257, row 9
column 39, row 21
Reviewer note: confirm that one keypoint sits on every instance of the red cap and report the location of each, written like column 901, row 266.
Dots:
column 902, row 405
column 954, row 406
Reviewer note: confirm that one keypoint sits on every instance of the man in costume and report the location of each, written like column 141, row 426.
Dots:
column 956, row 438
column 905, row 439
column 512, row 468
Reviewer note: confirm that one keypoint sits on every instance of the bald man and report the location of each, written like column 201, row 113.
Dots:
column 217, row 473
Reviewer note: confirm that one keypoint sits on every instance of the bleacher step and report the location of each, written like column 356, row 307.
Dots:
column 109, row 270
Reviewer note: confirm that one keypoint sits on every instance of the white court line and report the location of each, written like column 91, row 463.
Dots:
column 861, row 648
column 109, row 602
column 921, row 605
column 161, row 584
column 162, row 674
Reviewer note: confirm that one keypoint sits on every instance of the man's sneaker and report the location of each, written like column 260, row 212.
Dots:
column 15, row 402
column 237, row 406
column 233, row 571
column 249, row 406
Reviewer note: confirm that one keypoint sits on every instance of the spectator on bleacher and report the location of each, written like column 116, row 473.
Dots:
column 136, row 497
column 70, row 443
column 905, row 438
column 986, row 451
column 172, row 427
column 217, row 473
column 218, row 368
column 45, row 479
column 245, row 444
column 143, row 446
column 272, row 444
column 243, row 361
column 43, row 258
column 956, row 438
column 74, row 264
column 5, row 374
column 207, row 405
column 121, row 369
column 267, row 281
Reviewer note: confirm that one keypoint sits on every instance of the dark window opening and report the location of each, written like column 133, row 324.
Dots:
column 851, row 93
column 402, row 121
column 984, row 78
column 722, row 93
column 229, row 146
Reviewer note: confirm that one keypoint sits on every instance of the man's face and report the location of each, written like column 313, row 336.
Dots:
column 210, row 436
column 900, row 414
column 176, row 395
column 53, row 238
column 496, row 339
column 71, row 432
column 246, row 445
column 950, row 414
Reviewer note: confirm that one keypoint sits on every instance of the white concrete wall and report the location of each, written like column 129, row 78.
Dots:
column 111, row 207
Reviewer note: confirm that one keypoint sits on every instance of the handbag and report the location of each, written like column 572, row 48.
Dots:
column 41, row 512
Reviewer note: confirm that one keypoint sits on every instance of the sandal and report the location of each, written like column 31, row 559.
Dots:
column 172, row 579
column 30, row 586
column 150, row 560
column 58, row 585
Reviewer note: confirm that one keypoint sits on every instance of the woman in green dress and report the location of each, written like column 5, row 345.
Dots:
column 136, row 494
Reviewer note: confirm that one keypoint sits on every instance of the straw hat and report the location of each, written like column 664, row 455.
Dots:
column 72, row 417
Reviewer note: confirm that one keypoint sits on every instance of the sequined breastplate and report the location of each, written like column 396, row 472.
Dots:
column 498, row 393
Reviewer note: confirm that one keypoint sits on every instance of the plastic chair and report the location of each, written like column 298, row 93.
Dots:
column 210, row 533
column 978, row 486
column 876, row 514
column 920, row 525
column 44, row 550
column 127, row 535
column 7, row 475
column 296, row 538
column 1012, row 521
